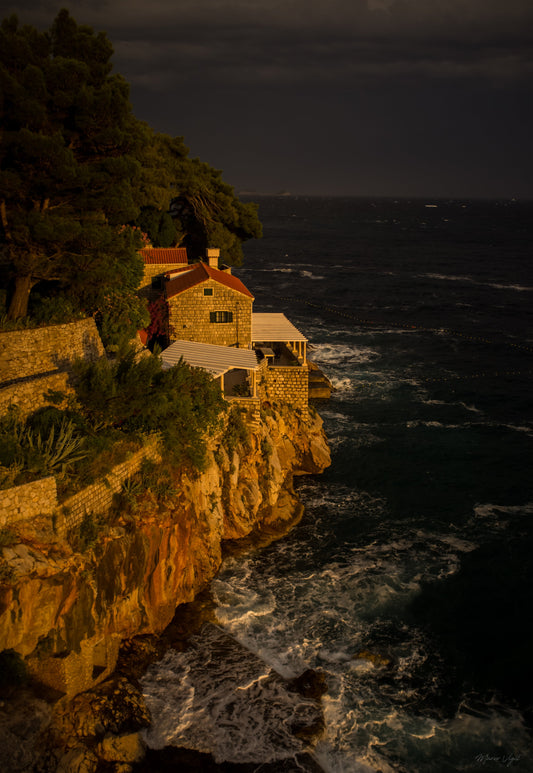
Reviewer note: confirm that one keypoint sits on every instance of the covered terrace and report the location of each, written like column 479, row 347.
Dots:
column 278, row 339
column 236, row 368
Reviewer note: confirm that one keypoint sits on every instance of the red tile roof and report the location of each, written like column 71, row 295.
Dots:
column 201, row 272
column 164, row 255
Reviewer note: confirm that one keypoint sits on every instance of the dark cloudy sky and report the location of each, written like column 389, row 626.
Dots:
column 366, row 97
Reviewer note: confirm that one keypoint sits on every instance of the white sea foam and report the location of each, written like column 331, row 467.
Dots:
column 342, row 385
column 460, row 404
column 218, row 697
column 343, row 354
column 310, row 275
column 471, row 280
column 490, row 510
column 518, row 428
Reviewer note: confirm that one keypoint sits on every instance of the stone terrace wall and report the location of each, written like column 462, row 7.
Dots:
column 31, row 394
column 27, row 501
column 42, row 350
column 287, row 385
column 98, row 498
column 21, row 503
column 33, row 362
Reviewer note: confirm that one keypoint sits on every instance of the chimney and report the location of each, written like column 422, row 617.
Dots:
column 213, row 255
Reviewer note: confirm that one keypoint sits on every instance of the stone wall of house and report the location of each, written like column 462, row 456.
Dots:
column 286, row 385
column 155, row 269
column 150, row 271
column 189, row 316
column 27, row 501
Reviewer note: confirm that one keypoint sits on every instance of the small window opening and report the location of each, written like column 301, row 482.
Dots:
column 221, row 316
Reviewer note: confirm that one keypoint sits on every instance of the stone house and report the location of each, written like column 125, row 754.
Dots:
column 211, row 317
column 209, row 305
column 159, row 261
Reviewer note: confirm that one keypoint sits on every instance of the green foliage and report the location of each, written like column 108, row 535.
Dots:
column 136, row 394
column 205, row 210
column 68, row 165
column 158, row 479
column 87, row 533
column 122, row 315
column 76, row 166
column 266, row 447
column 236, row 432
column 54, row 310
column 158, row 225
column 44, row 447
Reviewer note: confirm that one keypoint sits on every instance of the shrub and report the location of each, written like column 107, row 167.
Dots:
column 87, row 532
column 123, row 315
column 50, row 442
column 54, row 310
column 236, row 433
column 136, row 394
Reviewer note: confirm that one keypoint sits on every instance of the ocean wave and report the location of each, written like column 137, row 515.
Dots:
column 491, row 511
column 460, row 403
column 219, row 697
column 342, row 385
column 471, row 280
column 343, row 354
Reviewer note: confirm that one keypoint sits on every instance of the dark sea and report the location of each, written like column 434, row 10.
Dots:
column 409, row 580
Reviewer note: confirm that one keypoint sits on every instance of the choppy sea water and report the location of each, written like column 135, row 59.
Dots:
column 409, row 580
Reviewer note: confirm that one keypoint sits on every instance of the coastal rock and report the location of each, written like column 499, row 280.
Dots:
column 66, row 614
column 310, row 684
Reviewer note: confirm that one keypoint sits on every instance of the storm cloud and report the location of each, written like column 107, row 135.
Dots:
column 398, row 97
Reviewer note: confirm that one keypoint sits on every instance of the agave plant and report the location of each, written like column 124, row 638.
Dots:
column 55, row 452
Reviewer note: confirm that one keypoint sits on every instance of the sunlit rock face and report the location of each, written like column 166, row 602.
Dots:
column 66, row 613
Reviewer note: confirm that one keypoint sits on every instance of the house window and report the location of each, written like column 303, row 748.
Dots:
column 208, row 291
column 221, row 316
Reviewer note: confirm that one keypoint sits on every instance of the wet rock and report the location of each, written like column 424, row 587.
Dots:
column 125, row 748
column 78, row 760
column 310, row 684
column 372, row 657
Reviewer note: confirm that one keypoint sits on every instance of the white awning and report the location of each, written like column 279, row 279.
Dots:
column 274, row 327
column 216, row 360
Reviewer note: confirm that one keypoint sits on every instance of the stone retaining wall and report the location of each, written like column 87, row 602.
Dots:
column 21, row 503
column 98, row 498
column 27, row 501
column 29, row 396
column 44, row 349
column 33, row 362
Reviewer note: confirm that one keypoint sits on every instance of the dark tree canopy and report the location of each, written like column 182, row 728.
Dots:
column 204, row 210
column 67, row 163
column 77, row 169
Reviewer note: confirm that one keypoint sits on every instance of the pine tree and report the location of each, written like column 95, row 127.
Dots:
column 69, row 147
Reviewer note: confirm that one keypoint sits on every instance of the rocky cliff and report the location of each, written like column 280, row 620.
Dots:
column 65, row 612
